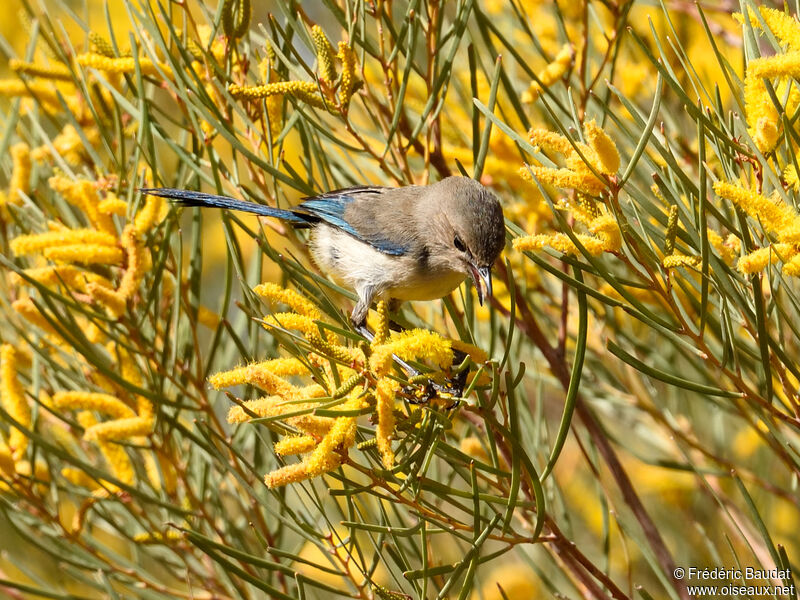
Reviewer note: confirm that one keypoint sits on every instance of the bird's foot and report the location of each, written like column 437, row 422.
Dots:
column 421, row 389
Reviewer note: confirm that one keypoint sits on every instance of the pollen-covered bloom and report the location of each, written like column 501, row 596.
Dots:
column 348, row 380
column 551, row 73
column 12, row 396
column 775, row 216
column 603, row 227
column 600, row 154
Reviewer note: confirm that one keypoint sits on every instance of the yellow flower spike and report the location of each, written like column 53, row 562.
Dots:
column 207, row 317
column 779, row 65
column 12, row 395
column 7, row 462
column 113, row 302
column 792, row 266
column 89, row 254
column 119, row 429
column 114, row 206
column 67, row 275
column 114, row 454
column 28, row 244
column 305, row 91
column 275, row 406
column 295, row 444
column 551, row 73
column 294, row 300
column 308, row 327
column 105, row 404
column 79, row 478
column 56, row 71
column 131, row 373
column 69, row 145
column 673, row 261
column 477, row 355
column 603, row 146
column 126, row 64
column 348, row 57
column 328, row 453
column 791, row 177
column 382, row 326
column 414, row 344
column 672, row 230
column 569, row 179
column 385, row 391
column 83, row 195
column 559, row 242
column 134, row 271
column 762, row 117
column 100, row 45
column 28, row 310
column 775, row 215
column 154, row 212
column 20, row 173
column 44, row 91
column 549, row 141
column 286, row 475
column 255, row 375
column 605, row 227
column 325, row 56
column 726, row 253
column 279, row 367
column 785, row 27
column 757, row 260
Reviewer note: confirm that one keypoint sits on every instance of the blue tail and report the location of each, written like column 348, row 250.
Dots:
column 190, row 198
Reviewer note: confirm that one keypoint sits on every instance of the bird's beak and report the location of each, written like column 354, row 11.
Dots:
column 482, row 278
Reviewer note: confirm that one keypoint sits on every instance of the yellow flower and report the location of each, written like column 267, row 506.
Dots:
column 12, row 396
column 20, row 173
column 551, row 73
column 414, row 344
column 83, row 195
column 776, row 216
column 604, row 147
column 295, row 301
column 757, row 260
column 27, row 244
column 125, row 64
column 114, row 206
column 385, row 391
column 762, row 117
column 305, row 91
column 674, row 261
column 56, row 71
column 295, row 444
column 89, row 254
column 348, row 57
column 325, row 55
column 102, row 403
column 785, row 27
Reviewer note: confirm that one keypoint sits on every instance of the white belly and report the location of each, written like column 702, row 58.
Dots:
column 358, row 265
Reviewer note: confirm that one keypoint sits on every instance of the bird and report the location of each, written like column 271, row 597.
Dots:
column 408, row 243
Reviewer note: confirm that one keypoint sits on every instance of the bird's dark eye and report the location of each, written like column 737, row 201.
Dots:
column 460, row 246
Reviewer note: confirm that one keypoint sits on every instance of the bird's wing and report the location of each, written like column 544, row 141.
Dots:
column 331, row 207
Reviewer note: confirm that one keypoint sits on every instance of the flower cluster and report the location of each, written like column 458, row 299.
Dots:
column 583, row 161
column 763, row 116
column 328, row 92
column 95, row 264
column 777, row 218
column 348, row 382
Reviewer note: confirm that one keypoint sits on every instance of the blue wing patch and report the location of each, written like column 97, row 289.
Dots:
column 331, row 210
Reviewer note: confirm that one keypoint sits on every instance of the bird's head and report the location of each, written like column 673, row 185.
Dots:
column 471, row 230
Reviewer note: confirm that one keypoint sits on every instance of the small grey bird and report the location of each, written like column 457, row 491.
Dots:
column 408, row 243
